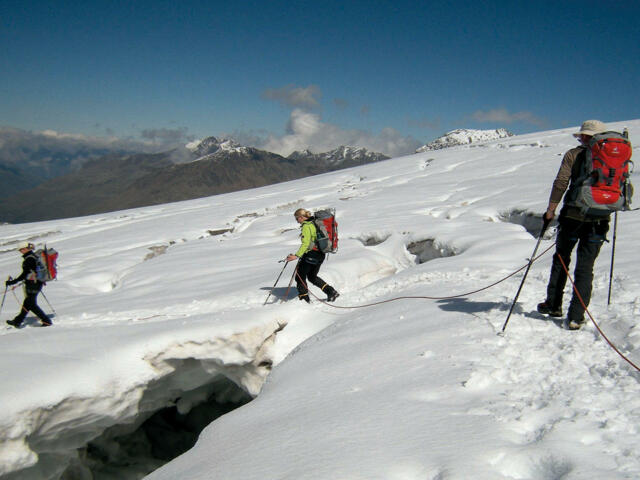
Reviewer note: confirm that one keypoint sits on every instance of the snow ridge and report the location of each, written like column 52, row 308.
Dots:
column 51, row 434
column 464, row 136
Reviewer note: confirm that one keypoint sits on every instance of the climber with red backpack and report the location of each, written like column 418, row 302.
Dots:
column 596, row 174
column 319, row 235
column 37, row 268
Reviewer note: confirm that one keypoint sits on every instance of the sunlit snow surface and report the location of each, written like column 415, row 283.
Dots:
column 413, row 389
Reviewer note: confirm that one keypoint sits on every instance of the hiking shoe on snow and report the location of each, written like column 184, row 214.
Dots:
column 575, row 324
column 14, row 323
column 332, row 296
column 46, row 324
column 546, row 309
column 304, row 297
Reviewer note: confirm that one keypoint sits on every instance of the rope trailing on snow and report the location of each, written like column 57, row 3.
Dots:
column 575, row 289
column 466, row 294
column 480, row 290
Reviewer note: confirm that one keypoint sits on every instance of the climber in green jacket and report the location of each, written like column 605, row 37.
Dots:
column 309, row 258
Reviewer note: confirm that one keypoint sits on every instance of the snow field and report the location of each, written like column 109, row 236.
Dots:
column 409, row 389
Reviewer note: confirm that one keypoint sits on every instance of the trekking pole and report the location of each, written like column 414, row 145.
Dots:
column 613, row 254
column 6, row 287
column 545, row 224
column 286, row 295
column 277, row 279
column 13, row 290
column 49, row 303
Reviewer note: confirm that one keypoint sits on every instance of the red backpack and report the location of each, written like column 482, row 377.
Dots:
column 326, row 230
column 46, row 264
column 603, row 185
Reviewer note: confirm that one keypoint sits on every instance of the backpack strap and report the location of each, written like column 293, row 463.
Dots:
column 33, row 273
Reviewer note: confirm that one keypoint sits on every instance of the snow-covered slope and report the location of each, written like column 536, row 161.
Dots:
column 403, row 377
column 464, row 136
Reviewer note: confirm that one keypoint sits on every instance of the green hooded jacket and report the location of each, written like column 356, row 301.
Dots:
column 308, row 235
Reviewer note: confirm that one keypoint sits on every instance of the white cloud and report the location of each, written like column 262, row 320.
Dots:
column 67, row 136
column 295, row 97
column 164, row 136
column 307, row 130
column 502, row 115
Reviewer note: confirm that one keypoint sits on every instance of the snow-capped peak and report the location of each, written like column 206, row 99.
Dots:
column 212, row 145
column 463, row 136
column 342, row 154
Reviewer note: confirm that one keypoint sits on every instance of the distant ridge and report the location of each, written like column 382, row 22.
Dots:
column 341, row 157
column 30, row 158
column 215, row 166
column 464, row 137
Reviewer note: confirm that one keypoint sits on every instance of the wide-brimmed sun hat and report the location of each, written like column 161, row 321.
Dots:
column 591, row 127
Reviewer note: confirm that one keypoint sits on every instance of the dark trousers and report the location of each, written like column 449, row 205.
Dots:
column 589, row 236
column 308, row 268
column 30, row 304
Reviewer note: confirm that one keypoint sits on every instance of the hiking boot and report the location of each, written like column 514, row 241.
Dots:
column 546, row 309
column 331, row 297
column 574, row 324
column 15, row 323
column 304, row 297
column 46, row 324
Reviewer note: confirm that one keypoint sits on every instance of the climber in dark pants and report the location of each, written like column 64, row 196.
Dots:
column 32, row 287
column 309, row 259
column 575, row 228
column 589, row 236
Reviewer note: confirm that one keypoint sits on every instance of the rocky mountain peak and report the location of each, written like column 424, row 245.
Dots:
column 343, row 155
column 212, row 145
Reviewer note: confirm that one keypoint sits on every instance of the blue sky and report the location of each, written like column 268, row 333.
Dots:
column 389, row 74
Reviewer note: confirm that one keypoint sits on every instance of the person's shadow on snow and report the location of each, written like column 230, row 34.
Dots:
column 467, row 306
column 280, row 292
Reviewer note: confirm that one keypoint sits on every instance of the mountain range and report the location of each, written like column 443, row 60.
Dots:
column 28, row 159
column 119, row 180
column 116, row 182
column 341, row 157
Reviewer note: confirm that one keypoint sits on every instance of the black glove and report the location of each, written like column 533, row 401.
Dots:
column 9, row 282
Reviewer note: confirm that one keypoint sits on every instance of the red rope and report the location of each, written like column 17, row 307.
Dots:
column 575, row 289
column 466, row 294
column 479, row 290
